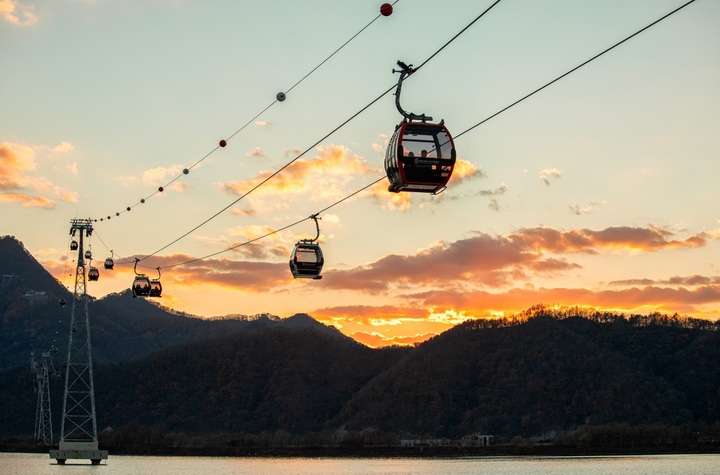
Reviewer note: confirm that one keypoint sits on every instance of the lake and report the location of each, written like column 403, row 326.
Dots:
column 41, row 464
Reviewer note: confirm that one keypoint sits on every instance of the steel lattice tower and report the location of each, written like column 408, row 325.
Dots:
column 78, row 439
column 43, row 414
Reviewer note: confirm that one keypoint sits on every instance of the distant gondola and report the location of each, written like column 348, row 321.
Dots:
column 74, row 245
column 109, row 263
column 155, row 288
column 141, row 286
column 93, row 274
column 306, row 260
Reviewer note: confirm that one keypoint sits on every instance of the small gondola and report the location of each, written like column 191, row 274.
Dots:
column 306, row 260
column 93, row 274
column 74, row 245
column 141, row 283
column 62, row 302
column 155, row 288
column 421, row 155
column 141, row 286
column 88, row 254
column 109, row 263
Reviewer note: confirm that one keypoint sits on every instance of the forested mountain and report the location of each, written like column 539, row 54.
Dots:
column 545, row 374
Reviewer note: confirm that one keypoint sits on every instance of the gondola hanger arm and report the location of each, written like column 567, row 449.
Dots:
column 405, row 71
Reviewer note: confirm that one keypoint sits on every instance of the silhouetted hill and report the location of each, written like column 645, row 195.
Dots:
column 545, row 375
column 122, row 327
column 294, row 379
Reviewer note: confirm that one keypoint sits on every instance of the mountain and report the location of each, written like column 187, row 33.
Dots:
column 547, row 374
column 122, row 328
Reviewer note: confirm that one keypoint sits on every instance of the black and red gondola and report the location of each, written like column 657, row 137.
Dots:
column 306, row 260
column 421, row 155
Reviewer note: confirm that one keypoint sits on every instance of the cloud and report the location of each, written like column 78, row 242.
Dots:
column 256, row 152
column 647, row 298
column 548, row 173
column 18, row 14
column 160, row 176
column 464, row 170
column 19, row 182
column 691, row 280
column 580, row 210
column 323, row 176
column 498, row 261
column 376, row 339
column 63, row 147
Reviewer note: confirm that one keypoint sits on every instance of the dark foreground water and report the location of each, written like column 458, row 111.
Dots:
column 39, row 464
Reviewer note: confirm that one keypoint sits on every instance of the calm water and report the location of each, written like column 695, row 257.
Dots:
column 38, row 464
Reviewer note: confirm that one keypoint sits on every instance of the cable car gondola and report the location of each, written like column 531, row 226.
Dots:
column 109, row 262
column 421, row 155
column 74, row 245
column 306, row 260
column 88, row 254
column 155, row 286
column 93, row 274
column 141, row 284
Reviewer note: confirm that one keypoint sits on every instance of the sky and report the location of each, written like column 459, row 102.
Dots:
column 599, row 191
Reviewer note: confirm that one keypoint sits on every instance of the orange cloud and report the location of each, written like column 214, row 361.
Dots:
column 500, row 260
column 376, row 340
column 15, row 13
column 323, row 176
column 670, row 299
column 18, row 165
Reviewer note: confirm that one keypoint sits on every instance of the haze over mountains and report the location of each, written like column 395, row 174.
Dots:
column 545, row 371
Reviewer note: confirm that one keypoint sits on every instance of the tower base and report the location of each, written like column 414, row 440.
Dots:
column 79, row 450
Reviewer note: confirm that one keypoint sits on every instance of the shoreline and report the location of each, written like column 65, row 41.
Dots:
column 383, row 452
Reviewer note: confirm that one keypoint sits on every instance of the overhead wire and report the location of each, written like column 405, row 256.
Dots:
column 456, row 136
column 574, row 69
column 311, row 147
column 223, row 142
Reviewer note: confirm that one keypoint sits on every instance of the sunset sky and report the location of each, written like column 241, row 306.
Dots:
column 601, row 190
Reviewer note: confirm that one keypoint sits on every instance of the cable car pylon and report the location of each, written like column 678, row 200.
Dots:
column 78, row 438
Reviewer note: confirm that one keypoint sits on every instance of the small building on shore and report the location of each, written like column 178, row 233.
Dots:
column 476, row 440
